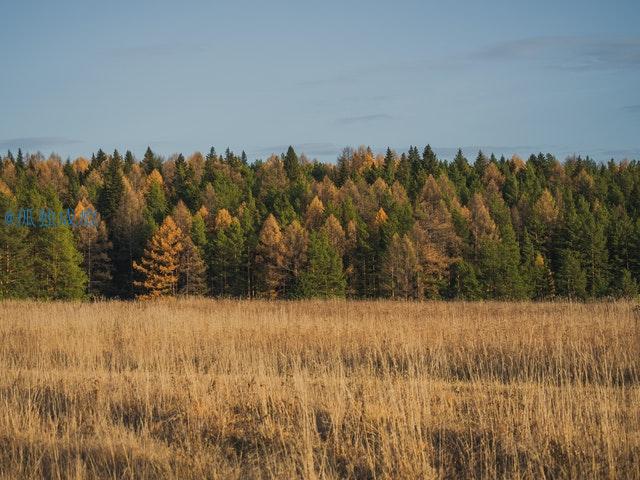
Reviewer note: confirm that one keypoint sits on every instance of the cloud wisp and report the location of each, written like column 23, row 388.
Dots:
column 363, row 119
column 566, row 52
column 157, row 50
column 311, row 148
column 34, row 143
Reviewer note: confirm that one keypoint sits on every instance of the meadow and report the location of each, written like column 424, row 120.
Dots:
column 228, row 389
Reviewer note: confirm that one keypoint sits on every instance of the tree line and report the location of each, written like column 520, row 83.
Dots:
column 402, row 226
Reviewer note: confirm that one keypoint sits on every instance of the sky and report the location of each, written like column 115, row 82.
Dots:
column 506, row 77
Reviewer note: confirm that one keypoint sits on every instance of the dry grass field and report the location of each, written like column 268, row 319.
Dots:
column 319, row 390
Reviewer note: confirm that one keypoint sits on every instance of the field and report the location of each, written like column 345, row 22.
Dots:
column 363, row 390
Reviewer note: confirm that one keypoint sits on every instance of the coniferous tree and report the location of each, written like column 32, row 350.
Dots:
column 184, row 185
column 159, row 266
column 129, row 233
column 593, row 247
column 296, row 243
column 129, row 162
column 156, row 201
column 324, row 276
column 20, row 165
column 16, row 260
column 291, row 164
column 93, row 243
column 73, row 184
column 226, row 256
column 56, row 261
column 625, row 285
column 192, row 270
column 401, row 269
column 150, row 162
column 430, row 162
column 571, row 278
column 388, row 167
column 463, row 283
column 511, row 228
column 270, row 259
column 112, row 189
column 315, row 214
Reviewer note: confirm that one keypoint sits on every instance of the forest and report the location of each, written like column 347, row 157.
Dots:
column 397, row 225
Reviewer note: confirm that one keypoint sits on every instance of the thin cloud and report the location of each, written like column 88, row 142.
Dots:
column 631, row 109
column 34, row 143
column 363, row 119
column 157, row 50
column 311, row 148
column 566, row 52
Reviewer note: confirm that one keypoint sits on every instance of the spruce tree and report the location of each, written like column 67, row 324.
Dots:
column 324, row 275
column 430, row 162
column 16, row 260
column 97, row 160
column 20, row 165
column 111, row 192
column 571, row 279
column 56, row 261
column 129, row 162
column 150, row 162
column 463, row 282
column 291, row 164
column 184, row 185
column 388, row 167
column 226, row 256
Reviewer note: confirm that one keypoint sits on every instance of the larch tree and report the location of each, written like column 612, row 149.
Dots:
column 315, row 214
column 482, row 225
column 129, row 233
column 435, row 238
column 192, row 270
column 155, row 198
column 335, row 233
column 160, row 263
column 191, row 266
column 270, row 259
column 93, row 243
column 401, row 269
column 296, row 243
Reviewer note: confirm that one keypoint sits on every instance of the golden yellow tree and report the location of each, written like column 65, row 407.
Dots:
column 315, row 214
column 335, row 233
column 270, row 258
column 159, row 265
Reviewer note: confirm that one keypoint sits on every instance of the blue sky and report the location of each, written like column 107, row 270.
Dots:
column 507, row 76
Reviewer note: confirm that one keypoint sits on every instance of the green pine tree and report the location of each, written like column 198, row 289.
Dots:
column 324, row 275
column 112, row 189
column 16, row 260
column 571, row 278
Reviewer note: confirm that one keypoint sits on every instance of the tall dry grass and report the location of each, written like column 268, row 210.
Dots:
column 229, row 389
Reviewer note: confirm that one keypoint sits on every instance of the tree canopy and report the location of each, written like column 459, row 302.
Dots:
column 389, row 224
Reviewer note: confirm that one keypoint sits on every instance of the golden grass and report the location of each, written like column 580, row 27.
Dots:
column 238, row 389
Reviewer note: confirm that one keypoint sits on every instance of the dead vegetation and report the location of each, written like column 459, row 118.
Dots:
column 362, row 390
